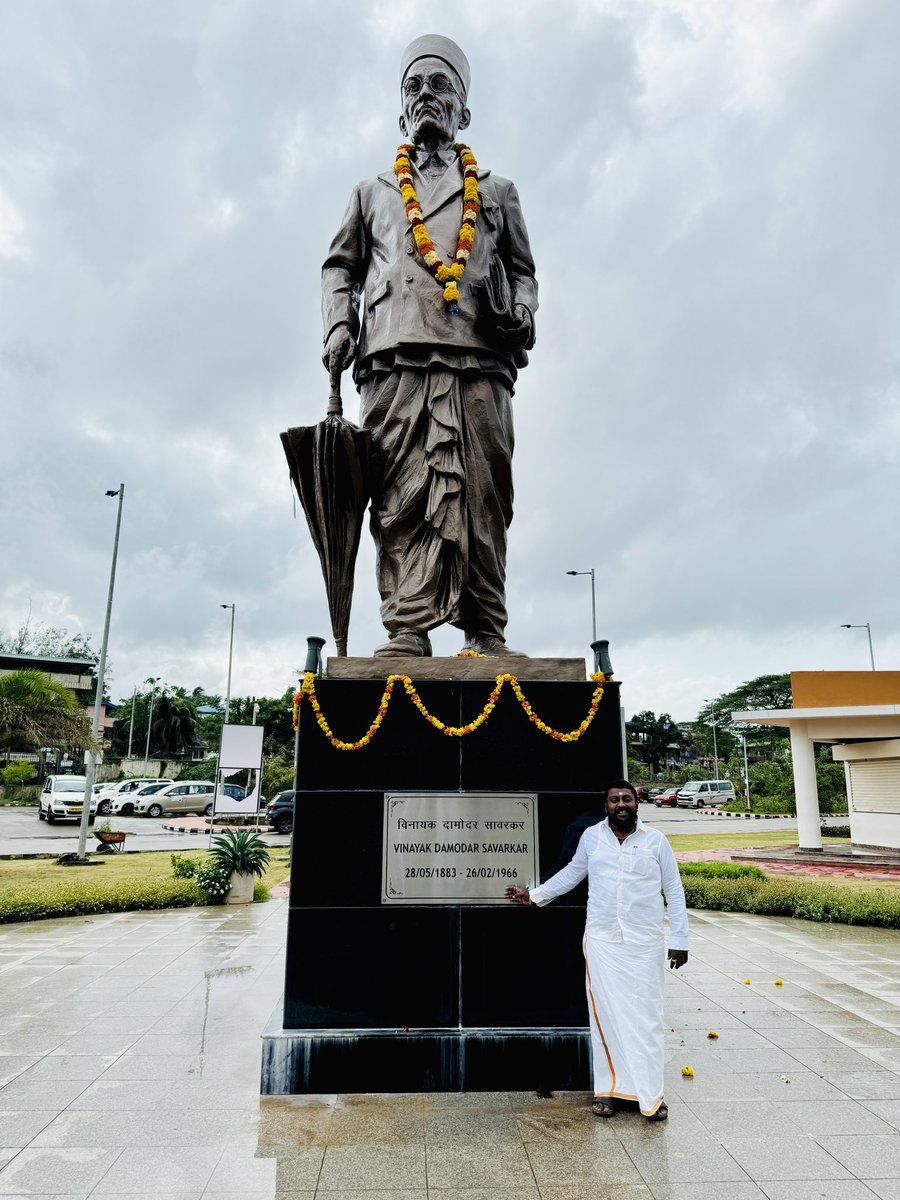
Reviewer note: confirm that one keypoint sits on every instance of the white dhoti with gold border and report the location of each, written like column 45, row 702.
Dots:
column 624, row 986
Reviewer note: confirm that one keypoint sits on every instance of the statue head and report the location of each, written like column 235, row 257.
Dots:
column 434, row 82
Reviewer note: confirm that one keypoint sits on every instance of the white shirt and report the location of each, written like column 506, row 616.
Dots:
column 625, row 885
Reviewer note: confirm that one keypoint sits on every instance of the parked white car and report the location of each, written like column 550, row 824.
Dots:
column 125, row 805
column 62, row 799
column 185, row 797
column 701, row 793
column 122, row 789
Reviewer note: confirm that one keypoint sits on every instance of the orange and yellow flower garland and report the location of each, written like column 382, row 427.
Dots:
column 308, row 690
column 450, row 276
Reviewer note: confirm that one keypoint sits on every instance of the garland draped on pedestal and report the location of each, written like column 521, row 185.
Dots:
column 308, row 691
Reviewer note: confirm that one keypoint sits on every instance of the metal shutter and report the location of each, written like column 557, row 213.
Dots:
column 875, row 785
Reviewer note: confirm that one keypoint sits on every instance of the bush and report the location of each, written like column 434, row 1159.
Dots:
column 807, row 899
column 260, row 893
column 203, row 772
column 16, row 774
column 183, row 868
column 38, row 904
column 835, row 831
column 721, row 870
column 212, row 880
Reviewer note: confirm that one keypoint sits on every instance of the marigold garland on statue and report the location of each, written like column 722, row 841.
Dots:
column 450, row 276
column 308, row 690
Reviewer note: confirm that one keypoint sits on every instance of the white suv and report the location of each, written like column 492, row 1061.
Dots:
column 702, row 793
column 62, row 799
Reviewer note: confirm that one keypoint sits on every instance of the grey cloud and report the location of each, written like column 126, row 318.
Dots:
column 710, row 417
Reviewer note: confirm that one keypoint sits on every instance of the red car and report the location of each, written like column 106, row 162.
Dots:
column 668, row 796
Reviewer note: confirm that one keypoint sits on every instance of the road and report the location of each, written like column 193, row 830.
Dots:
column 22, row 833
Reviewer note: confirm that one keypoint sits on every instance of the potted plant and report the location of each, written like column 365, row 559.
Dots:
column 244, row 856
column 110, row 839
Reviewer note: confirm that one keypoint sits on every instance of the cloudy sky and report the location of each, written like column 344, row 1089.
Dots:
column 711, row 416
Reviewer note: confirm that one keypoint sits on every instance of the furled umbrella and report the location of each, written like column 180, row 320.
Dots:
column 329, row 466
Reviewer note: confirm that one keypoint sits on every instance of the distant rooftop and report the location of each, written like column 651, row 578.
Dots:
column 20, row 662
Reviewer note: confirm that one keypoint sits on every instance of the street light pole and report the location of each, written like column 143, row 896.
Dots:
column 153, row 683
column 98, row 695
column 230, row 654
column 593, row 598
column 712, row 724
column 131, row 722
column 868, row 628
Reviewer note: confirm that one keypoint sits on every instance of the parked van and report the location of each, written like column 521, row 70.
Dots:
column 62, row 799
column 700, row 793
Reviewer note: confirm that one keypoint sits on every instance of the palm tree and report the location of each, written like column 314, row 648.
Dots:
column 175, row 724
column 35, row 711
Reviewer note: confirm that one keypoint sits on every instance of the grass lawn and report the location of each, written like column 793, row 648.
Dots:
column 734, row 839
column 745, row 840
column 26, row 874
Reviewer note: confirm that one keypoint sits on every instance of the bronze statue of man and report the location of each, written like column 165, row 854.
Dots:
column 435, row 376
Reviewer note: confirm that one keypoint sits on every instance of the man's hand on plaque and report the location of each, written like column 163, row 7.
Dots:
column 340, row 350
column 518, row 895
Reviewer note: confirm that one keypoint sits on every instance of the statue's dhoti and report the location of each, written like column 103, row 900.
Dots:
column 441, row 496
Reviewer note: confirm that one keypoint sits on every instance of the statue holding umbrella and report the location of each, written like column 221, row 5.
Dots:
column 429, row 291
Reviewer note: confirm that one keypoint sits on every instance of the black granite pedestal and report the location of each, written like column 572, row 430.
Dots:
column 384, row 998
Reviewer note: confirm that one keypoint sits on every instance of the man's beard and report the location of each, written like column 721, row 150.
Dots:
column 624, row 817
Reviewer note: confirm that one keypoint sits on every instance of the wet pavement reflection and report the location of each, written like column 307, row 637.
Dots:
column 129, row 1066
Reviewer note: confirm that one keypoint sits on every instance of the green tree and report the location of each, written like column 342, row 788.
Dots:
column 52, row 641
column 36, row 712
column 766, row 691
column 652, row 736
column 175, row 725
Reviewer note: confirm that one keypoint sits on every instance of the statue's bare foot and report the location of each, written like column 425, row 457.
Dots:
column 406, row 644
column 489, row 644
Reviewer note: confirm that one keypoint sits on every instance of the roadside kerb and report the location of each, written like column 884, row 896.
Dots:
column 752, row 816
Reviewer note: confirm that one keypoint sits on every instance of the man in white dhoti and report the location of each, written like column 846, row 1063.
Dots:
column 629, row 866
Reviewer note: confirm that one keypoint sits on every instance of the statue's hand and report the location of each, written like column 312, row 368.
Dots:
column 340, row 350
column 525, row 322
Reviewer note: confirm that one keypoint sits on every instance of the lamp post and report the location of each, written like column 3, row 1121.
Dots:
column 868, row 628
column 593, row 598
column 153, row 683
column 131, row 722
column 98, row 695
column 746, row 774
column 712, row 725
column 230, row 654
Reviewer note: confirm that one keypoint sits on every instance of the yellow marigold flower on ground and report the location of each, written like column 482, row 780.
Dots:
column 712, row 1035
column 779, row 982
column 746, row 981
column 687, row 1072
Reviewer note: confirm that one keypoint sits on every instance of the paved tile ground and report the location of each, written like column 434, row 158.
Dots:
column 129, row 1058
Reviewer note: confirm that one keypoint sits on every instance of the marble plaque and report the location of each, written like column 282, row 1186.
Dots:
column 458, row 847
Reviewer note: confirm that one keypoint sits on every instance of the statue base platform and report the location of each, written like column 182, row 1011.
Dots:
column 454, row 667
column 384, row 997
column 423, row 1060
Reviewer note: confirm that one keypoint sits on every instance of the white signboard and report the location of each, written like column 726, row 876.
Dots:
column 241, row 750
column 458, row 848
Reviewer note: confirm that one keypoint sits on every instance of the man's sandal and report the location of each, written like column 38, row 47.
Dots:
column 602, row 1106
column 661, row 1114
